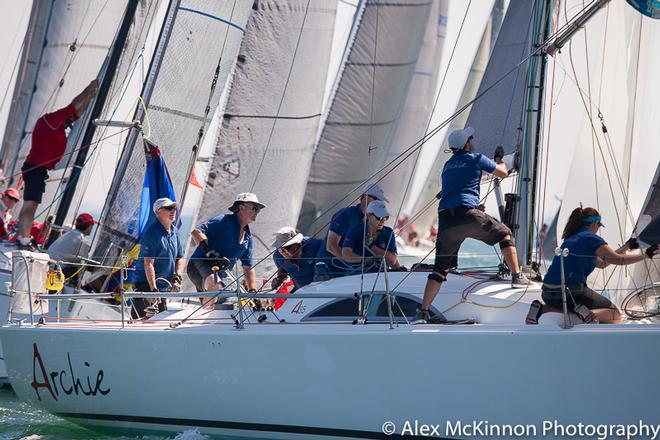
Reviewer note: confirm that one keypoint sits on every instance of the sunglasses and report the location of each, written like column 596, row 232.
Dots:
column 291, row 248
column 381, row 219
column 169, row 208
column 254, row 208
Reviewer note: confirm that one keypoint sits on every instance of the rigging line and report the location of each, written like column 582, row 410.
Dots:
column 404, row 155
column 435, row 104
column 602, row 56
column 279, row 106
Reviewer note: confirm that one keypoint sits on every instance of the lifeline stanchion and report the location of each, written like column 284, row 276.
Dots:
column 563, row 253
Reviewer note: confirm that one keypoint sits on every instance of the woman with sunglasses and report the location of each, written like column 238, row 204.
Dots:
column 369, row 244
column 587, row 250
column 295, row 257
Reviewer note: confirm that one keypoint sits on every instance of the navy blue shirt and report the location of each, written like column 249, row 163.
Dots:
column 460, row 179
column 224, row 232
column 354, row 240
column 301, row 269
column 340, row 224
column 581, row 260
column 164, row 247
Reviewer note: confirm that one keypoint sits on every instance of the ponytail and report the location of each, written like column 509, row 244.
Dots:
column 575, row 220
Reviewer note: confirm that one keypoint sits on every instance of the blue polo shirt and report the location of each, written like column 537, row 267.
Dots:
column 460, row 179
column 355, row 240
column 581, row 260
column 340, row 224
column 301, row 269
column 164, row 247
column 223, row 233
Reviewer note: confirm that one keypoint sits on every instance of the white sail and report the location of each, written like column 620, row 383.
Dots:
column 176, row 95
column 478, row 16
column 66, row 46
column 366, row 102
column 414, row 119
column 613, row 61
column 272, row 115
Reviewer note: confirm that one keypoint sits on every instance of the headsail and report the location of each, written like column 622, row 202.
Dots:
column 196, row 35
column 383, row 49
column 266, row 137
column 414, row 119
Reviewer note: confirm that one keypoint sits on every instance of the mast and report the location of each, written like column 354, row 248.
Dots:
column 115, row 54
column 527, row 182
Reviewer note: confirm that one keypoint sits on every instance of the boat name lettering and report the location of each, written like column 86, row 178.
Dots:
column 298, row 309
column 69, row 382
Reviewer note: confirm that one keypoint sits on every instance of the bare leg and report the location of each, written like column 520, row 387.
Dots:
column 430, row 291
column 511, row 257
column 608, row 316
column 210, row 286
column 26, row 217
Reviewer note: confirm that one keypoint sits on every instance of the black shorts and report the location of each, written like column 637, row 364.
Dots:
column 576, row 294
column 34, row 178
column 197, row 271
column 457, row 224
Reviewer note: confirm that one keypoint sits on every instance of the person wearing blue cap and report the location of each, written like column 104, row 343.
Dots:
column 328, row 260
column 160, row 264
column 460, row 217
column 587, row 250
column 368, row 244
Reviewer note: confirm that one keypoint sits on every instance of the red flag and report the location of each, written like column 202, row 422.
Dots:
column 193, row 180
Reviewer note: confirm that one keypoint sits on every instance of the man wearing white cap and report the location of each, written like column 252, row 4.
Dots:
column 459, row 216
column 341, row 222
column 161, row 257
column 222, row 240
column 368, row 245
column 295, row 257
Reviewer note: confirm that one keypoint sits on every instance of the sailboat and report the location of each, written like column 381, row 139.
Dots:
column 344, row 361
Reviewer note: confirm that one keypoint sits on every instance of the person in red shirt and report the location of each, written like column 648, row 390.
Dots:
column 48, row 146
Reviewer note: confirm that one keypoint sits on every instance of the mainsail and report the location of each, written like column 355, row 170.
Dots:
column 195, row 36
column 66, row 45
column 266, row 137
column 414, row 119
column 608, row 78
column 366, row 103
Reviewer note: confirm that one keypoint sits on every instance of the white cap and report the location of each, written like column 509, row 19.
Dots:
column 163, row 203
column 287, row 236
column 458, row 138
column 378, row 208
column 376, row 192
column 246, row 197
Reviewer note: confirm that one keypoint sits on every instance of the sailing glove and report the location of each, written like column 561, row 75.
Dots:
column 176, row 283
column 632, row 244
column 651, row 251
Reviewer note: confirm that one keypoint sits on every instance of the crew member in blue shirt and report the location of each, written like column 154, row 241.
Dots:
column 586, row 252
column 222, row 240
column 295, row 257
column 368, row 245
column 459, row 216
column 161, row 256
column 326, row 260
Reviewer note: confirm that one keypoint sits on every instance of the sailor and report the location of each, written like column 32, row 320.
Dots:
column 222, row 240
column 295, row 257
column 48, row 147
column 160, row 264
column 587, row 250
column 328, row 260
column 371, row 242
column 10, row 197
column 459, row 216
column 73, row 245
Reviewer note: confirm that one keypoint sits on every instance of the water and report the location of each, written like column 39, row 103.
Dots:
column 20, row 421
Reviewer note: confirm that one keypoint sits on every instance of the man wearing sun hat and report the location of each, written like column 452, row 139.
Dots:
column 294, row 257
column 73, row 245
column 341, row 222
column 224, row 239
column 161, row 258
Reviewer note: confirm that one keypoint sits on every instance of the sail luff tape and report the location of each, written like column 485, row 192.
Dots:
column 123, row 124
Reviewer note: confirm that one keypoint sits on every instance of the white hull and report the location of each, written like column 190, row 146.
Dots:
column 341, row 380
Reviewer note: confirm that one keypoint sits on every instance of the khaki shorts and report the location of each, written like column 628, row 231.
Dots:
column 457, row 224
